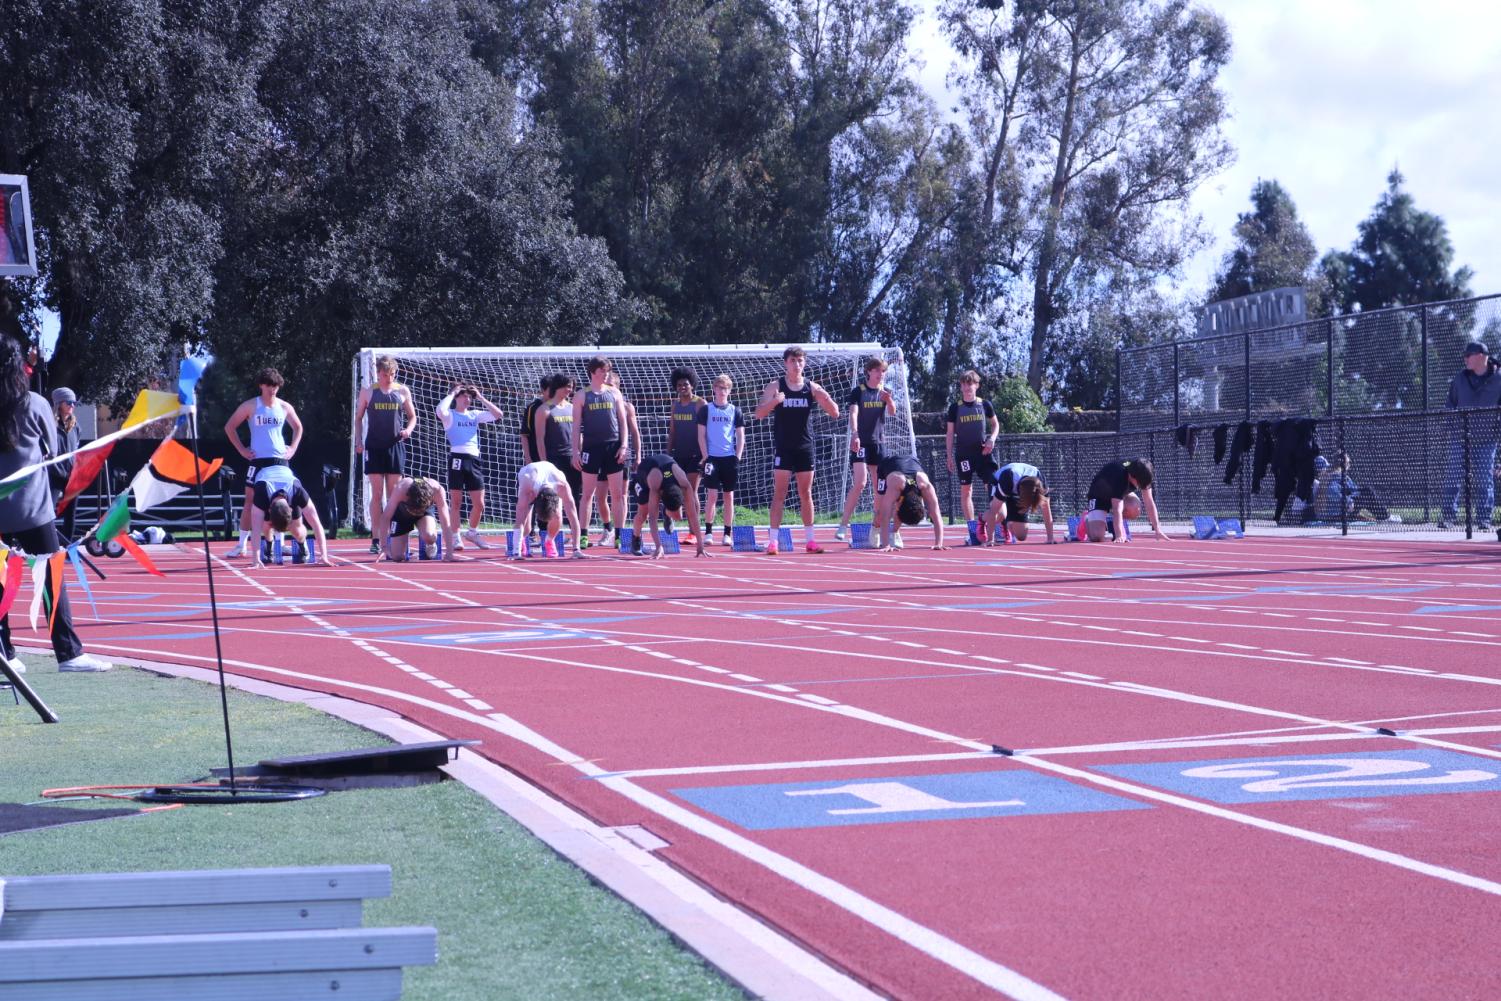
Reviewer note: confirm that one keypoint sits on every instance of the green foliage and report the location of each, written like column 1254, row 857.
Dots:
column 1273, row 250
column 1402, row 256
column 1018, row 407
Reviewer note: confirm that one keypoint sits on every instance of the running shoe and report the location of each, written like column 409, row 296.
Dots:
column 374, row 548
column 771, row 548
column 896, row 541
column 549, row 549
column 608, row 539
column 840, row 533
column 982, row 531
column 813, row 548
column 15, row 664
column 458, row 545
column 475, row 540
column 236, row 552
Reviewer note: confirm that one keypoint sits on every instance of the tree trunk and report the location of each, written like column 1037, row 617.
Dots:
column 1047, row 251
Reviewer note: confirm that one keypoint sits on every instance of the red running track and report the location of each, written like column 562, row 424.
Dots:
column 1244, row 769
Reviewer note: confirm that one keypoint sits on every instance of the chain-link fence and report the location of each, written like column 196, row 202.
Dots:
column 1375, row 472
column 1381, row 361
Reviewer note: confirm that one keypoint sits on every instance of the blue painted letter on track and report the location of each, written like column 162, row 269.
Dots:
column 898, row 799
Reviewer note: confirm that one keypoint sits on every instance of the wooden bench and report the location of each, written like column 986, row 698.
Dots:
column 218, row 935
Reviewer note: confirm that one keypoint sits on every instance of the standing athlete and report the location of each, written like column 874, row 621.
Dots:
column 869, row 405
column 553, row 427
column 789, row 401
column 466, row 474
column 526, row 431
column 682, row 435
column 268, row 417
column 721, row 439
column 599, row 445
column 970, row 438
column 384, row 440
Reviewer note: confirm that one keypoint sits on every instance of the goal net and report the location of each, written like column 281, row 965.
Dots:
column 508, row 377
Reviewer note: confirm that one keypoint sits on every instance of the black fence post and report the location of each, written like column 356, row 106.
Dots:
column 1469, row 500
column 1247, row 336
column 1120, row 400
column 1177, row 389
column 1423, row 332
column 1342, row 482
column 1329, row 366
column 1077, row 501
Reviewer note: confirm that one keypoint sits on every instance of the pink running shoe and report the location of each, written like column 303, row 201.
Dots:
column 771, row 549
column 813, row 547
column 549, row 549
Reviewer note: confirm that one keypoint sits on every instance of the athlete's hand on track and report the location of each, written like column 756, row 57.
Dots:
column 703, row 552
column 327, row 560
column 940, row 549
column 658, row 553
column 1122, row 538
column 1164, row 536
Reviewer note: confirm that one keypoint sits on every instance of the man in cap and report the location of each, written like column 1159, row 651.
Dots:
column 1475, row 385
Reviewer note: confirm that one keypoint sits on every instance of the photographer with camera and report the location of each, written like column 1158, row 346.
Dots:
column 1475, row 385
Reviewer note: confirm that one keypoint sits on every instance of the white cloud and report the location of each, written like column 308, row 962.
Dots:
column 1326, row 97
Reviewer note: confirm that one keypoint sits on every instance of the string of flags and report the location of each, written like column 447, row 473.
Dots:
column 172, row 469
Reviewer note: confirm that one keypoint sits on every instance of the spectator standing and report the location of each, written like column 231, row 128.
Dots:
column 64, row 400
column 1475, row 385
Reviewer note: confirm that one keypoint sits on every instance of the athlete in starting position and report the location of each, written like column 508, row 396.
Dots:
column 541, row 490
column 413, row 504
column 1016, row 491
column 869, row 405
column 658, row 484
column 279, row 499
column 1113, row 497
column 903, row 490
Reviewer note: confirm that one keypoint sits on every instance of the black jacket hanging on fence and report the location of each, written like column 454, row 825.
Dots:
column 1266, row 444
column 1238, row 449
column 1188, row 437
column 1297, row 445
column 1220, row 434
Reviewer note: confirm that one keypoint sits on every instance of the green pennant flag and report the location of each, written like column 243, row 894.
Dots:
column 8, row 487
column 115, row 520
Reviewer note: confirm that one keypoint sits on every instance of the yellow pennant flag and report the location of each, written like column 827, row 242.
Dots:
column 150, row 404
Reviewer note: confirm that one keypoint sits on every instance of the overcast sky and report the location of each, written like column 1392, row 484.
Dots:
column 1326, row 96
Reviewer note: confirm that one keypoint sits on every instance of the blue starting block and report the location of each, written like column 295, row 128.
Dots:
column 1073, row 529
column 517, row 546
column 974, row 533
column 743, row 539
column 784, row 539
column 862, row 536
column 624, row 539
column 1206, row 527
column 671, row 545
column 423, row 553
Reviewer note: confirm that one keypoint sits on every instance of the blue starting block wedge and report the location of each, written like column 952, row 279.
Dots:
column 671, row 545
column 517, row 545
column 743, row 539
column 436, row 553
column 862, row 535
column 1230, row 528
column 279, row 548
column 312, row 550
column 1073, row 529
column 561, row 543
column 1206, row 527
column 626, row 535
column 974, row 533
column 784, row 539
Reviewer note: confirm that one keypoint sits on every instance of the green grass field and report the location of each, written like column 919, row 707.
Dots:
column 514, row 919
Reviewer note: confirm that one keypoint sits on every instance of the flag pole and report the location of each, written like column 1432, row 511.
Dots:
column 190, row 415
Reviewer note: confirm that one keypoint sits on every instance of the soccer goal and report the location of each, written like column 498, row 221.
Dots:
column 508, row 377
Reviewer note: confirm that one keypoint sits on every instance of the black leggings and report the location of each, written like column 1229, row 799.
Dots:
column 42, row 541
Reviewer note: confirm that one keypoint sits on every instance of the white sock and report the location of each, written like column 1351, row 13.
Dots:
column 244, row 539
column 808, row 534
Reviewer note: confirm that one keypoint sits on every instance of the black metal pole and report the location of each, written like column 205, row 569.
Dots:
column 1423, row 328
column 1342, row 472
column 19, row 684
column 213, row 602
column 1177, row 405
column 1329, row 368
column 1119, row 402
column 1469, row 501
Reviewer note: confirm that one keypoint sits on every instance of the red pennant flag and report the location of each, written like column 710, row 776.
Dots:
column 85, row 468
column 14, row 567
column 139, row 553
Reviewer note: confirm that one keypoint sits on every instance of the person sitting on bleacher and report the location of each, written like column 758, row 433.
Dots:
column 1340, row 498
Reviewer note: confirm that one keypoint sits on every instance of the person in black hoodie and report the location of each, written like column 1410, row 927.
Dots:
column 28, row 433
column 1475, row 385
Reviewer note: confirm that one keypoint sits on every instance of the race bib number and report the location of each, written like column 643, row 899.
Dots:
column 585, row 459
column 964, row 465
column 708, row 469
column 860, row 452
column 458, row 464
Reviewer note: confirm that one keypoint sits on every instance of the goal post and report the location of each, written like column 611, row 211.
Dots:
column 508, row 377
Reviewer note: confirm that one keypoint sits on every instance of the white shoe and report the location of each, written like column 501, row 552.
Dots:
column 896, row 541
column 458, row 545
column 14, row 663
column 840, row 533
column 475, row 540
column 1395, row 519
column 236, row 552
column 608, row 539
column 83, row 662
